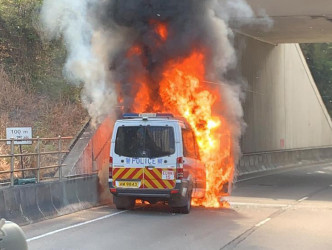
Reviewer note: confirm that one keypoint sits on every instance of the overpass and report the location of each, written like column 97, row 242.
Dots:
column 296, row 21
column 283, row 109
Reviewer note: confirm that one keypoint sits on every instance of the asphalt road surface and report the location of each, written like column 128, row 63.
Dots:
column 289, row 209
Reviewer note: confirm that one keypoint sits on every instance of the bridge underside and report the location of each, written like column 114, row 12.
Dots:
column 296, row 21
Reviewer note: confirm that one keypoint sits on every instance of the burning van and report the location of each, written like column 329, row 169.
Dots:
column 155, row 157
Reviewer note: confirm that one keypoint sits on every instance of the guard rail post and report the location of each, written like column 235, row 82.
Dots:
column 12, row 161
column 38, row 159
column 59, row 157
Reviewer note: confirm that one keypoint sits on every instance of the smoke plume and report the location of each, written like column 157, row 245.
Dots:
column 100, row 34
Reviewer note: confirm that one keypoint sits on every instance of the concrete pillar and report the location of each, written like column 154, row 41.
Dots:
column 283, row 108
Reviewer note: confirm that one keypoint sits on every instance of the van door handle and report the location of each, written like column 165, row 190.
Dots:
column 150, row 167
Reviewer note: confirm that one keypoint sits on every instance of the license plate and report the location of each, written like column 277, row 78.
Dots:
column 128, row 184
column 168, row 175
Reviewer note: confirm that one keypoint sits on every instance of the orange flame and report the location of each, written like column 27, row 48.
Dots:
column 160, row 29
column 183, row 91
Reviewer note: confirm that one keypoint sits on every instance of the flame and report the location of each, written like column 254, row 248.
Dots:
column 183, row 91
column 134, row 51
column 160, row 29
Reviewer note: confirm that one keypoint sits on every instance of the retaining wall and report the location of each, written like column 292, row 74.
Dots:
column 33, row 202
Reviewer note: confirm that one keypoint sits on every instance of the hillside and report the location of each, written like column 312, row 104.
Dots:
column 33, row 91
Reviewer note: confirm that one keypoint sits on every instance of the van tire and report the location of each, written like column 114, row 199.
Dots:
column 187, row 207
column 123, row 203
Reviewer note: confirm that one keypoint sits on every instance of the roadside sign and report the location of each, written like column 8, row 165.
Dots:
column 19, row 133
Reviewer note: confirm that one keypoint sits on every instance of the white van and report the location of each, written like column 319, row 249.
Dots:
column 154, row 157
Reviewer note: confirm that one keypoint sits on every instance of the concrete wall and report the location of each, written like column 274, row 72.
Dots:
column 30, row 203
column 90, row 154
column 283, row 108
column 91, row 151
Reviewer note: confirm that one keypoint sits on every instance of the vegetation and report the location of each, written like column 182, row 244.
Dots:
column 319, row 58
column 33, row 91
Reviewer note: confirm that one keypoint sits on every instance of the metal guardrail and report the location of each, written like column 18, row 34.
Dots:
column 60, row 152
column 287, row 150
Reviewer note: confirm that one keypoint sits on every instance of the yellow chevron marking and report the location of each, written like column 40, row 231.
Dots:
column 128, row 173
column 156, row 182
column 147, row 184
column 148, row 174
column 140, row 172
column 119, row 171
column 168, row 184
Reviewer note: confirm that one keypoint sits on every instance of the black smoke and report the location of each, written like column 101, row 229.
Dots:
column 191, row 24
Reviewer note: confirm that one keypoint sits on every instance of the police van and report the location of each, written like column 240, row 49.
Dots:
column 154, row 157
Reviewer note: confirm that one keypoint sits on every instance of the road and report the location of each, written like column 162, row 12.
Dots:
column 289, row 209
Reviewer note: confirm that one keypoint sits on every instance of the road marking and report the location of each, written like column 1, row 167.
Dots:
column 74, row 226
column 302, row 199
column 262, row 222
column 257, row 204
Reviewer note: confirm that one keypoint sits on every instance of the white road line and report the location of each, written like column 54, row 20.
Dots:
column 262, row 222
column 304, row 198
column 73, row 226
column 257, row 204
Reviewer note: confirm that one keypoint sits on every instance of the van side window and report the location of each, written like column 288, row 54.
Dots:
column 188, row 144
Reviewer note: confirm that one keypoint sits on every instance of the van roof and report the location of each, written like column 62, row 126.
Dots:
column 134, row 117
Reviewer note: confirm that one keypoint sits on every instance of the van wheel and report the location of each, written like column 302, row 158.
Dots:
column 124, row 203
column 187, row 207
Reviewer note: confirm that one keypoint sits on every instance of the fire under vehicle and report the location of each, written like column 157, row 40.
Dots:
column 154, row 157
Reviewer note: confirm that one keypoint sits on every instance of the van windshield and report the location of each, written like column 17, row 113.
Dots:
column 145, row 141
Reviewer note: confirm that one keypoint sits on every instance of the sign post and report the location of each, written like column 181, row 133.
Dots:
column 19, row 134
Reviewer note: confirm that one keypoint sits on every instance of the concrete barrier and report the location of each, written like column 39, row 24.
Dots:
column 33, row 202
column 44, row 200
column 86, row 190
column 13, row 209
column 28, row 203
column 2, row 204
column 58, row 201
column 69, row 192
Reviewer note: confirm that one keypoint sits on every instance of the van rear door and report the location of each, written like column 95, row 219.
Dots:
column 145, row 155
column 160, row 171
